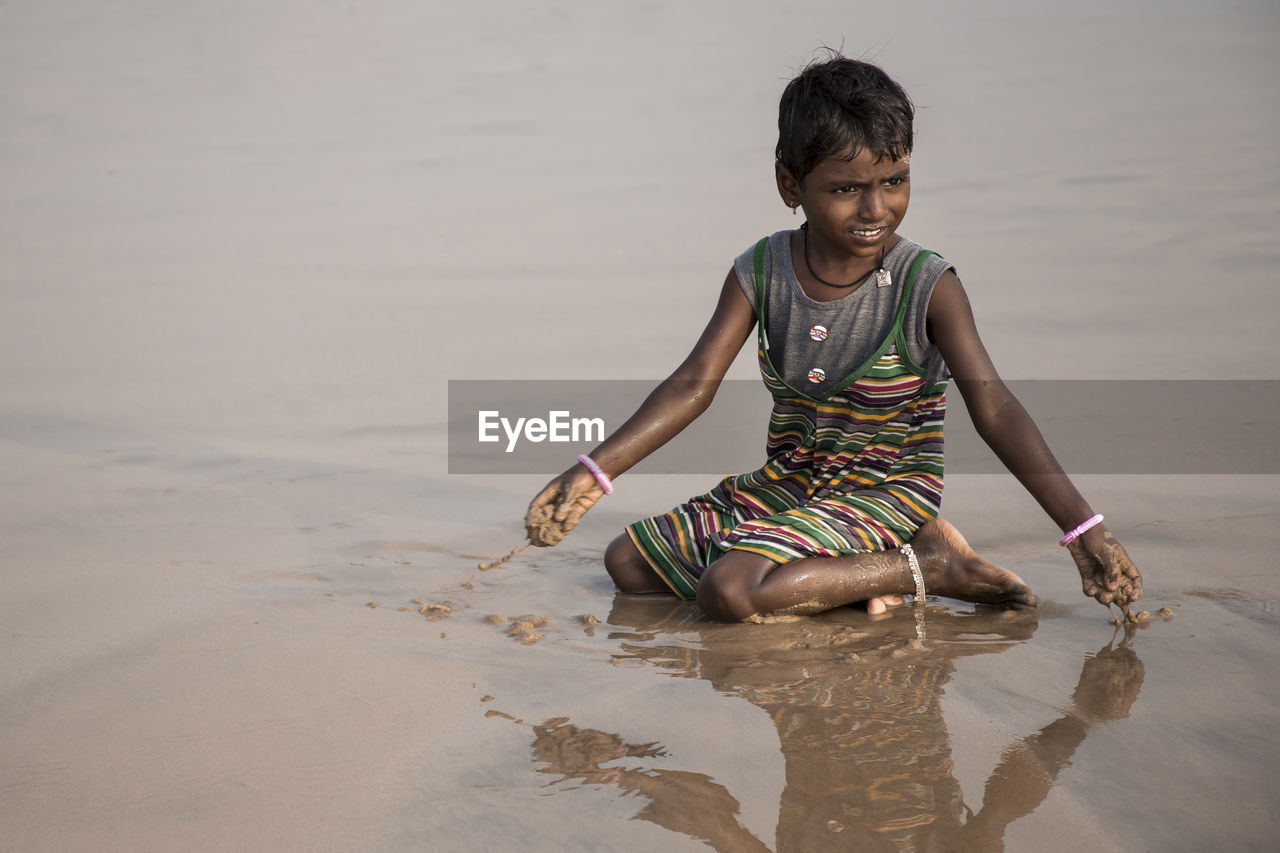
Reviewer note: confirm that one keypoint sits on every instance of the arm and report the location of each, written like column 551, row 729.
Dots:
column 671, row 407
column 1010, row 432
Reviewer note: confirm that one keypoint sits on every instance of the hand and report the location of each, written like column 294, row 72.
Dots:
column 1106, row 572
column 559, row 507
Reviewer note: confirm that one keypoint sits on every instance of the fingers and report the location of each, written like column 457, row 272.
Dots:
column 1110, row 570
column 1134, row 576
column 548, row 494
column 570, row 495
column 574, row 503
column 1113, row 559
column 1106, row 572
column 573, row 514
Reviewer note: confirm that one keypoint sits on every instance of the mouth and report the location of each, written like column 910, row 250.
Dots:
column 870, row 233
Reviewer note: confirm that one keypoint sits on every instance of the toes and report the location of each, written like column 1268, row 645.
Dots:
column 1023, row 599
column 880, row 603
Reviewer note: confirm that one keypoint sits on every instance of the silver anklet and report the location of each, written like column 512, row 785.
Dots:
column 918, row 604
column 915, row 572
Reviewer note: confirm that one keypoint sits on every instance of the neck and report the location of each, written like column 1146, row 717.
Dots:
column 878, row 265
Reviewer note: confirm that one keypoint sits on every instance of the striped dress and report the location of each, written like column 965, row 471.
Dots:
column 856, row 468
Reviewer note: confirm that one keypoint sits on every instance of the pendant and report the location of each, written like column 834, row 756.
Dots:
column 883, row 279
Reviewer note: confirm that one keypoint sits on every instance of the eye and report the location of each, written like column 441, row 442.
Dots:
column 847, row 189
column 895, row 182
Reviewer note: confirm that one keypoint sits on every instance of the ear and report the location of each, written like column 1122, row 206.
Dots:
column 788, row 186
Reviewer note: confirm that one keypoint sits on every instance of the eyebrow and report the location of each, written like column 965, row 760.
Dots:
column 901, row 173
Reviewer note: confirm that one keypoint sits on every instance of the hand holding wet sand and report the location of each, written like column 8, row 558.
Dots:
column 555, row 511
column 559, row 507
column 1106, row 572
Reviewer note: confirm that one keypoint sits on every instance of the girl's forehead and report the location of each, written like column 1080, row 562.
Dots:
column 863, row 164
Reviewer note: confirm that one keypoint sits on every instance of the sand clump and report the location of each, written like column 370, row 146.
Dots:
column 543, row 529
column 524, row 629
column 432, row 610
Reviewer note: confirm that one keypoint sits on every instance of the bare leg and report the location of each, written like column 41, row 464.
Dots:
column 630, row 571
column 741, row 585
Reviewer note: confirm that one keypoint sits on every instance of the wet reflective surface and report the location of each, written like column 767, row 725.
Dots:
column 859, row 719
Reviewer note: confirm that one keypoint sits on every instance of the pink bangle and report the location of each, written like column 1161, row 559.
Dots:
column 600, row 475
column 1075, row 532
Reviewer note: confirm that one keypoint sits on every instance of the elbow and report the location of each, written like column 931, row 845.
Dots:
column 695, row 395
column 991, row 421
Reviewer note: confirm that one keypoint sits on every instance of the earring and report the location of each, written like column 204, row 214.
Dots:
column 793, row 209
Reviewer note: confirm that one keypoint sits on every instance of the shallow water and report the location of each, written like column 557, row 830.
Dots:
column 1047, row 731
column 242, row 250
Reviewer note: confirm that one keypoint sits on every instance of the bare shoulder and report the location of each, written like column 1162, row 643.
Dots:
column 725, row 333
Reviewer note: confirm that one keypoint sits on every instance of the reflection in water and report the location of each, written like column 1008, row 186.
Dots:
column 858, row 707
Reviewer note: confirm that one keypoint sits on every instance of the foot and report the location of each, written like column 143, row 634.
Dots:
column 954, row 570
column 880, row 603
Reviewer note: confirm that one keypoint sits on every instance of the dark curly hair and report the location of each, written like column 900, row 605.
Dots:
column 839, row 107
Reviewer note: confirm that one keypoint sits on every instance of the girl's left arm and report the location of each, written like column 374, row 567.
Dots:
column 1010, row 432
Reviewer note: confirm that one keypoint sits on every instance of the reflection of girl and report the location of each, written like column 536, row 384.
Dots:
column 692, row 804
column 859, row 329
column 868, row 757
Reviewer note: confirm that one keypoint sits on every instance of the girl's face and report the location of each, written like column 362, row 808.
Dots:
column 853, row 206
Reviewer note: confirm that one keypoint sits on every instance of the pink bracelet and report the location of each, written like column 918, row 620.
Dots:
column 600, row 475
column 1075, row 532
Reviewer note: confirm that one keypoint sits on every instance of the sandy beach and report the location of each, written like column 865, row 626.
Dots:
column 243, row 250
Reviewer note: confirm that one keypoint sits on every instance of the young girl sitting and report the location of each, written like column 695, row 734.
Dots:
column 859, row 331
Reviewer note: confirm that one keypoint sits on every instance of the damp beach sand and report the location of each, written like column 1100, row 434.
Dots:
column 243, row 248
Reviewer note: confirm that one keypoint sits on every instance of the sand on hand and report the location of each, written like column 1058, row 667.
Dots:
column 542, row 527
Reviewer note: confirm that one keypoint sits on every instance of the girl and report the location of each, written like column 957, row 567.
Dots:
column 859, row 330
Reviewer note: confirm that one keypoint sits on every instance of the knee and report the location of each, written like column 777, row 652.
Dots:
column 624, row 563
column 725, row 595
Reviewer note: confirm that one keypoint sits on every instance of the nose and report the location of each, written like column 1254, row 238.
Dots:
column 873, row 206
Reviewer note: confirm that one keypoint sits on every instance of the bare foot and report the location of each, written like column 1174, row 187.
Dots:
column 954, row 570
column 880, row 603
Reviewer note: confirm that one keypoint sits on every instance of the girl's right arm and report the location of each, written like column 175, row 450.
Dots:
column 671, row 407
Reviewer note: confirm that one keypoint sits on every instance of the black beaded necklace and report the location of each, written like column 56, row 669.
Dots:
column 881, row 272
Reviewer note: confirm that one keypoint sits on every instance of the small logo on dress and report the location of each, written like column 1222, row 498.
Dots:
column 818, row 333
column 817, row 374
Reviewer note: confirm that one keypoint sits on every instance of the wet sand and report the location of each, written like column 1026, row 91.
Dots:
column 243, row 249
